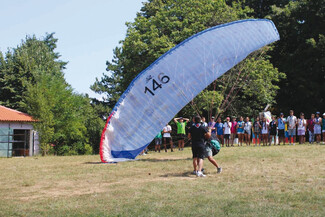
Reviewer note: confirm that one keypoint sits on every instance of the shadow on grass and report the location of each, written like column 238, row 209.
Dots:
column 98, row 163
column 184, row 174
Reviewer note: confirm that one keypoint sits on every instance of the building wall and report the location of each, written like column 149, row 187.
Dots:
column 33, row 139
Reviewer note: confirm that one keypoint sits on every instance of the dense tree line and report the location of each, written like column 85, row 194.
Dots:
column 32, row 81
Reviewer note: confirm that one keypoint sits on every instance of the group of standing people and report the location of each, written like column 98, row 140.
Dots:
column 264, row 131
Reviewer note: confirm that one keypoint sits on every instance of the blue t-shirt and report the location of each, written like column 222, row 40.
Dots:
column 219, row 127
column 240, row 124
column 280, row 124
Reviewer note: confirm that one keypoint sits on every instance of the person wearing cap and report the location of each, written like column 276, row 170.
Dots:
column 317, row 127
column 233, row 130
column 197, row 133
column 292, row 123
column 310, row 127
column 323, row 127
column 227, row 130
column 181, row 134
column 302, row 123
column 281, row 126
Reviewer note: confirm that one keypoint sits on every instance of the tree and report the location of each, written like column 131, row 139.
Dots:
column 163, row 24
column 32, row 81
column 301, row 55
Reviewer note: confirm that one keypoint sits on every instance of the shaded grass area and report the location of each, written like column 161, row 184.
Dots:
column 256, row 181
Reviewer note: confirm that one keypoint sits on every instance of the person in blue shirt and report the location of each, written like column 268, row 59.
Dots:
column 281, row 126
column 240, row 131
column 219, row 127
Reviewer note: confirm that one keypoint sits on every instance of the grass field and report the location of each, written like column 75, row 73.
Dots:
column 256, row 181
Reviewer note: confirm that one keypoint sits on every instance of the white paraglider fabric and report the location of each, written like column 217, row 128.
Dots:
column 159, row 92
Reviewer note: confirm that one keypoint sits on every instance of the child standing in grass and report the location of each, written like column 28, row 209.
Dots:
column 219, row 126
column 247, row 129
column 323, row 127
column 158, row 141
column 281, row 126
column 310, row 126
column 265, row 131
column 240, row 130
column 302, row 123
column 273, row 130
column 257, row 130
column 317, row 127
column 227, row 130
column 233, row 130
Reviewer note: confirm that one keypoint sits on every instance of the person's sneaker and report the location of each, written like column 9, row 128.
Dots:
column 194, row 172
column 293, row 144
column 219, row 170
column 200, row 174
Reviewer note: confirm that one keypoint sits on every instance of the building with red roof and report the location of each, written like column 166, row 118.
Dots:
column 17, row 134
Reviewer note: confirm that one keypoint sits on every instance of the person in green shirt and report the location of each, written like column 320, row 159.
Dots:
column 158, row 141
column 181, row 134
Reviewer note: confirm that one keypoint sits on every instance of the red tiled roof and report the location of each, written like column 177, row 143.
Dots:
column 7, row 114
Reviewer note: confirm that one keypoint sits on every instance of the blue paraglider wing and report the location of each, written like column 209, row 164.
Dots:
column 160, row 91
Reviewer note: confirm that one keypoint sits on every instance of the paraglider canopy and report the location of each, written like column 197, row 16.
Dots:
column 156, row 95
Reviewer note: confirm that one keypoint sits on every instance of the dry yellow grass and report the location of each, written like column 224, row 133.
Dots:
column 256, row 181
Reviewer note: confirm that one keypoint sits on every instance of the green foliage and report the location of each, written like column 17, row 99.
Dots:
column 32, row 81
column 301, row 55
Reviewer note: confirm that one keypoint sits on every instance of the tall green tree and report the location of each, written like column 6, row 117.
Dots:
column 159, row 26
column 32, row 81
column 301, row 55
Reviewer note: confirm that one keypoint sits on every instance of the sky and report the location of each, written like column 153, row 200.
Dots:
column 88, row 31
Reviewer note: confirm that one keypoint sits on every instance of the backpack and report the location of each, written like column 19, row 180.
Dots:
column 214, row 144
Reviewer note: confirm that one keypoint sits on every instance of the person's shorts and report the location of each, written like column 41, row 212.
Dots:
column 208, row 151
column 167, row 139
column 317, row 129
column 323, row 131
column 240, row 132
column 273, row 133
column 158, row 141
column 248, row 132
column 181, row 136
column 198, row 151
column 291, row 132
column 301, row 132
column 281, row 133
column 226, row 136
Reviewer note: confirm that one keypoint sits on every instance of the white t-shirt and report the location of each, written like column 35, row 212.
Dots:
column 292, row 121
column 301, row 124
column 248, row 126
column 167, row 128
column 227, row 128
column 265, row 128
